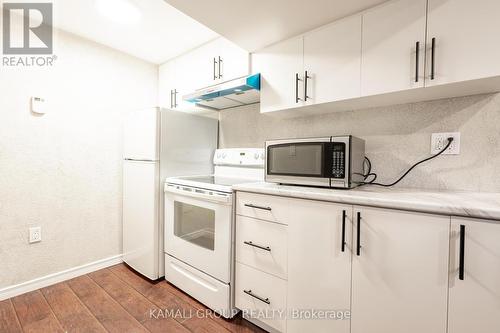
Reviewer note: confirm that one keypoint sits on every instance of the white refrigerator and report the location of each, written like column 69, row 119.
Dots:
column 158, row 143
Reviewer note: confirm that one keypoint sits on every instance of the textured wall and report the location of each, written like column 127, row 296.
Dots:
column 62, row 171
column 396, row 137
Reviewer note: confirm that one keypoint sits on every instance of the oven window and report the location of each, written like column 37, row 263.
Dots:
column 195, row 224
column 295, row 159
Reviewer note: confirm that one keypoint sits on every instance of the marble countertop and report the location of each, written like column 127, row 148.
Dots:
column 466, row 204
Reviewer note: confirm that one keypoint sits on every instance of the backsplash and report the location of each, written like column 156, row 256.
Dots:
column 396, row 137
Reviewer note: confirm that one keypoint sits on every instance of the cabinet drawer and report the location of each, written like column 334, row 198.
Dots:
column 262, row 245
column 264, row 207
column 258, row 293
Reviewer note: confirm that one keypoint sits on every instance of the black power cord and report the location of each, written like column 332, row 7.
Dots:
column 374, row 175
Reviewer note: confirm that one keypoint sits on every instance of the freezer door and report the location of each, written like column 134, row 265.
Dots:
column 140, row 217
column 141, row 132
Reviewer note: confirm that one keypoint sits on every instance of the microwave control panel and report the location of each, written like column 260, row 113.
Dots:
column 338, row 160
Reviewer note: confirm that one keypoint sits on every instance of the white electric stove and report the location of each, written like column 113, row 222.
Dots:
column 199, row 227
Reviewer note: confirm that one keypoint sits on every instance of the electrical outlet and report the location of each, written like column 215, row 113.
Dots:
column 35, row 235
column 440, row 140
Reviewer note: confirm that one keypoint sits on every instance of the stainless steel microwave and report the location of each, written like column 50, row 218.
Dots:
column 333, row 161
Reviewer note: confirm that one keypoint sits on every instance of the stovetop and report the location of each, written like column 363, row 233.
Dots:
column 211, row 182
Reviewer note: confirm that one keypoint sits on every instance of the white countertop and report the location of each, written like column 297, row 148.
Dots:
column 467, row 204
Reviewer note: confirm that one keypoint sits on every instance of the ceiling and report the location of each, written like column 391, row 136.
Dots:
column 162, row 33
column 258, row 23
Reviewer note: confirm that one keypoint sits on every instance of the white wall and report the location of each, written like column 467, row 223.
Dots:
column 63, row 171
column 396, row 137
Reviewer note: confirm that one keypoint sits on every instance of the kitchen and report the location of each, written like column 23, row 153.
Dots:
column 331, row 167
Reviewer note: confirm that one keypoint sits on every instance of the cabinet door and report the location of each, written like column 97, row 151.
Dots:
column 466, row 40
column 235, row 60
column 332, row 59
column 202, row 65
column 166, row 84
column 474, row 302
column 319, row 268
column 400, row 276
column 279, row 65
column 177, row 78
column 391, row 34
column 187, row 79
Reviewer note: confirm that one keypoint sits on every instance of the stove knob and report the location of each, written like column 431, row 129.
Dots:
column 218, row 155
column 223, row 155
column 256, row 156
column 262, row 156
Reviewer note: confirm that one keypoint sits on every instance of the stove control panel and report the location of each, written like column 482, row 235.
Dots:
column 250, row 157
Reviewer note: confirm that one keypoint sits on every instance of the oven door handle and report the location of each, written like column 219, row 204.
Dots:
column 219, row 197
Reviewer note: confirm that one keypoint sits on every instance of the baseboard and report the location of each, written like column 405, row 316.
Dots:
column 54, row 278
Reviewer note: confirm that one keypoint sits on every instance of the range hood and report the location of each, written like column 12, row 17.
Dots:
column 229, row 94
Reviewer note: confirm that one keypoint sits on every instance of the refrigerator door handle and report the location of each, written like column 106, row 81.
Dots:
column 139, row 160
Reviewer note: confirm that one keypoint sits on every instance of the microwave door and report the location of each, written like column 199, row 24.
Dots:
column 303, row 163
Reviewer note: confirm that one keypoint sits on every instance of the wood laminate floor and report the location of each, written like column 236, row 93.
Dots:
column 114, row 299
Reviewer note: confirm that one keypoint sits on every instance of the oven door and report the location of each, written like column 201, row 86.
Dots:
column 300, row 161
column 198, row 229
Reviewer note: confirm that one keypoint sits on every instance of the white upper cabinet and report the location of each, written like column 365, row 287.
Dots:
column 399, row 272
column 321, row 66
column 393, row 52
column 187, row 78
column 319, row 264
column 219, row 61
column 281, row 66
column 332, row 59
column 466, row 40
column 474, row 300
column 166, row 84
column 209, row 64
column 231, row 60
column 179, row 77
column 202, row 64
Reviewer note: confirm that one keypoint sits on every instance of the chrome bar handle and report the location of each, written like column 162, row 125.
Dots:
column 220, row 68
column 265, row 248
column 297, row 79
column 175, row 98
column 306, row 76
column 265, row 300
column 215, row 69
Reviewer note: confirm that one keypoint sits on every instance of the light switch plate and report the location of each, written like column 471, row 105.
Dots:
column 440, row 140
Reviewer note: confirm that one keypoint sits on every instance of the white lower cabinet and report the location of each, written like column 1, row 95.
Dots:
column 339, row 268
column 474, row 299
column 262, row 245
column 261, row 297
column 263, row 207
column 400, row 273
column 319, row 266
